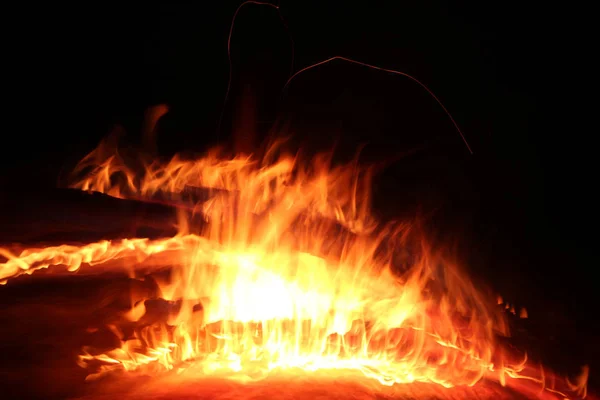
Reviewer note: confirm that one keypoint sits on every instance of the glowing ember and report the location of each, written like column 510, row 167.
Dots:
column 290, row 271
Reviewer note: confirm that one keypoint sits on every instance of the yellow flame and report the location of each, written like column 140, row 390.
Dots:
column 290, row 271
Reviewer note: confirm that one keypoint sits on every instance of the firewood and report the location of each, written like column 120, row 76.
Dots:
column 67, row 215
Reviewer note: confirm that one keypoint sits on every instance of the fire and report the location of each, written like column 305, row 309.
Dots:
column 289, row 269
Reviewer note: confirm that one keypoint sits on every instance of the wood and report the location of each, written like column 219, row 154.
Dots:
column 74, row 216
column 66, row 215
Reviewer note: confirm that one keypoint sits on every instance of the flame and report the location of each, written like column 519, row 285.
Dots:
column 291, row 270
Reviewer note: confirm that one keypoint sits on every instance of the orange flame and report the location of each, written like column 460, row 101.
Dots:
column 291, row 270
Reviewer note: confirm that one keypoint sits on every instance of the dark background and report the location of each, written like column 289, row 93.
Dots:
column 515, row 77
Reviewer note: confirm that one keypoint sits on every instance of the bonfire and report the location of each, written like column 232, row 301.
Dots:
column 280, row 265
column 279, row 268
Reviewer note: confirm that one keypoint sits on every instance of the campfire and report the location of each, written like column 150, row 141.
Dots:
column 279, row 267
column 249, row 273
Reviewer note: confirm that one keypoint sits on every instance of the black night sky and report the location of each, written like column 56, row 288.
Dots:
column 514, row 77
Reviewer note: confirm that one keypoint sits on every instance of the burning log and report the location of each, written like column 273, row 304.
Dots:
column 71, row 215
column 67, row 215
column 110, row 250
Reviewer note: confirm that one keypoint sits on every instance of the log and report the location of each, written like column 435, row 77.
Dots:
column 48, row 218
column 67, row 215
column 72, row 215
